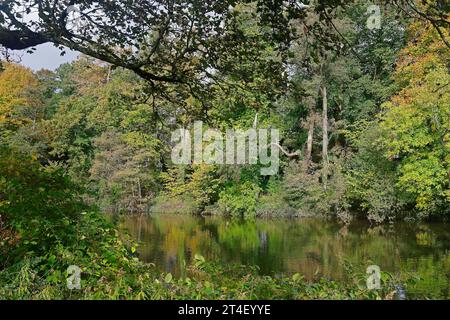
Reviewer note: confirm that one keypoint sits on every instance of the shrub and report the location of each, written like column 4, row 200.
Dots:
column 40, row 204
column 305, row 190
column 240, row 199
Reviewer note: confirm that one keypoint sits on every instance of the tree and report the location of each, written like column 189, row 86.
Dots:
column 20, row 102
column 155, row 39
column 170, row 41
column 415, row 122
column 333, row 93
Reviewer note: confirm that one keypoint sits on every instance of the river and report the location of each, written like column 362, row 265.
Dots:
column 312, row 247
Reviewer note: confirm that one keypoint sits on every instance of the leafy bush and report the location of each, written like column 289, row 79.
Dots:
column 273, row 202
column 306, row 192
column 48, row 229
column 371, row 179
column 173, row 204
column 195, row 185
column 240, row 200
column 41, row 205
column 203, row 280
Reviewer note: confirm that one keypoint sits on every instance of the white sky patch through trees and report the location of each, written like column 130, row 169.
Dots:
column 46, row 56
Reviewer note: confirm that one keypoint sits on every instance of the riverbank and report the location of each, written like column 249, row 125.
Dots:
column 276, row 207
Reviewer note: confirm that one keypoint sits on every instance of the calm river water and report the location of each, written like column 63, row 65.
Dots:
column 311, row 247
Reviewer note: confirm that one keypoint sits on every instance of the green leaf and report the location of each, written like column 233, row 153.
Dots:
column 168, row 278
column 297, row 277
column 199, row 260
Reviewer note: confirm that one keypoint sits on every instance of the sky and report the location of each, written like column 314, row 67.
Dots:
column 46, row 56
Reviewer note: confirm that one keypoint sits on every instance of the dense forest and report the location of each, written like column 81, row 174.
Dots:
column 363, row 112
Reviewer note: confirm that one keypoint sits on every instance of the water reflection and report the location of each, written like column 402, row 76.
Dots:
column 311, row 247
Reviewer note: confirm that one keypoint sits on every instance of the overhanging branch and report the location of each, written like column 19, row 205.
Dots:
column 19, row 39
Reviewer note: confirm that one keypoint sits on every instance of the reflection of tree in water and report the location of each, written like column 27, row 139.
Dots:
column 263, row 240
column 172, row 265
column 312, row 247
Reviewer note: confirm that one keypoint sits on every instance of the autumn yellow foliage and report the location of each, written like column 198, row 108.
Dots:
column 416, row 121
column 16, row 86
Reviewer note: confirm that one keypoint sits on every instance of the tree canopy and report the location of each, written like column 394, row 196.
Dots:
column 168, row 40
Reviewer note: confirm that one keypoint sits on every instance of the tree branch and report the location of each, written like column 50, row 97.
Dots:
column 286, row 153
column 20, row 39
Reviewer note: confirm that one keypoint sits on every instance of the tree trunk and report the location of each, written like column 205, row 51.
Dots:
column 323, row 90
column 139, row 194
column 108, row 77
column 309, row 143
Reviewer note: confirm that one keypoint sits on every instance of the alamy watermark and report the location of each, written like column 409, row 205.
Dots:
column 238, row 147
column 374, row 279
column 74, row 278
column 374, row 19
